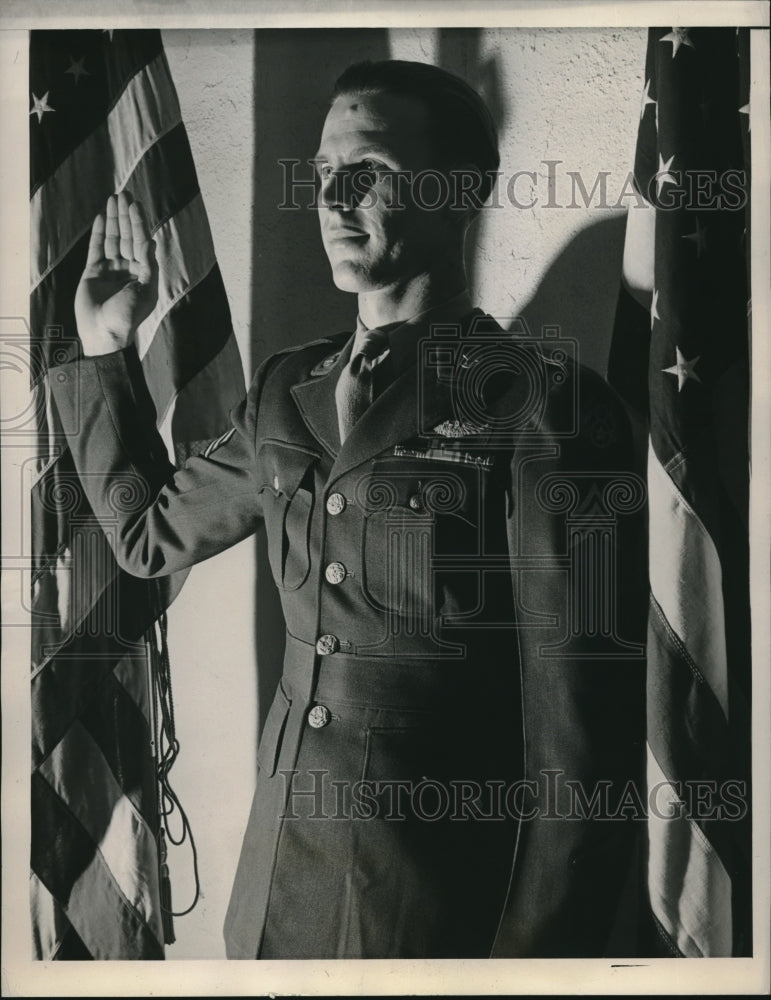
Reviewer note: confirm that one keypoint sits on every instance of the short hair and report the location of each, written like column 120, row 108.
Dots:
column 462, row 126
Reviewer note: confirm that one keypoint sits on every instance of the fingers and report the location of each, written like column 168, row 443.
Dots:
column 123, row 232
column 124, row 226
column 112, row 230
column 139, row 228
column 144, row 247
column 96, row 243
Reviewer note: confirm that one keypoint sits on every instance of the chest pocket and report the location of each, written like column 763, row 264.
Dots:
column 422, row 538
column 288, row 498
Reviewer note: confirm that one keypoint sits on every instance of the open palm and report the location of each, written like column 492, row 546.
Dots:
column 119, row 286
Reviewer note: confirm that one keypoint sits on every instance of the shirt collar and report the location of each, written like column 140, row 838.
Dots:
column 404, row 334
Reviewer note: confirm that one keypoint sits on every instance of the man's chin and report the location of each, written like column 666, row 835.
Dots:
column 349, row 277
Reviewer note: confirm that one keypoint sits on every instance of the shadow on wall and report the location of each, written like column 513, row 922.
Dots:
column 579, row 291
column 460, row 51
column 293, row 297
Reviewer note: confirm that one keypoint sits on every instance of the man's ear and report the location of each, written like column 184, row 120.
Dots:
column 466, row 202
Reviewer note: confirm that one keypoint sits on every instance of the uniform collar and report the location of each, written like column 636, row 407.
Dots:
column 414, row 398
column 403, row 335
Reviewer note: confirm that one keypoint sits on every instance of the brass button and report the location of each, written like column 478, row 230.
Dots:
column 416, row 502
column 327, row 644
column 319, row 716
column 275, row 482
column 335, row 503
column 335, row 572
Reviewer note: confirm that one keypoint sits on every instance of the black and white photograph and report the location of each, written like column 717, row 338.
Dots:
column 385, row 478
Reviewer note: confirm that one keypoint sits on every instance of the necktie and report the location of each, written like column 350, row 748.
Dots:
column 355, row 388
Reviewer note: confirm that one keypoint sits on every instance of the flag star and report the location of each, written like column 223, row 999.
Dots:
column 745, row 110
column 77, row 69
column 699, row 238
column 678, row 37
column 646, row 99
column 41, row 105
column 683, row 369
column 654, row 307
column 662, row 175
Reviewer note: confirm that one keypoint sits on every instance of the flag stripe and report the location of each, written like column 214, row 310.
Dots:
column 102, row 164
column 127, row 673
column 164, row 181
column 108, row 817
column 57, row 497
column 62, row 691
column 686, row 725
column 49, row 923
column 68, row 678
column 688, row 734
column 195, row 323
column 178, row 274
column 690, row 888
column 53, row 330
column 96, row 599
column 81, row 104
column 71, row 947
column 61, row 848
column 118, row 727
column 686, row 578
column 219, row 378
column 106, row 922
column 134, row 871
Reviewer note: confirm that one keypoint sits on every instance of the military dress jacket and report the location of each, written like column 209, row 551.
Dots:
column 445, row 770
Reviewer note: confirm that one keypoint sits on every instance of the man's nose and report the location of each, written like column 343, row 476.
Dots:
column 337, row 190
column 345, row 189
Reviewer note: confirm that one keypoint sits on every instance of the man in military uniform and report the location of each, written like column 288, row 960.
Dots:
column 447, row 506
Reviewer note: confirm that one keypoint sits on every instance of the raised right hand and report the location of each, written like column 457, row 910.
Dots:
column 119, row 286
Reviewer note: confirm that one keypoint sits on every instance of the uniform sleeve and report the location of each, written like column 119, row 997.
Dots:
column 158, row 519
column 578, row 527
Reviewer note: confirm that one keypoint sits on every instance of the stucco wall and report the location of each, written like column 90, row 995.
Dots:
column 570, row 96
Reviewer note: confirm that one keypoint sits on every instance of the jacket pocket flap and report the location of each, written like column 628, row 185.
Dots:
column 284, row 467
column 272, row 733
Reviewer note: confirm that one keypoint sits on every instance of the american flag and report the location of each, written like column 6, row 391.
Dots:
column 105, row 116
column 692, row 166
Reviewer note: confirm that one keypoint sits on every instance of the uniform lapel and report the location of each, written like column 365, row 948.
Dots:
column 315, row 400
column 416, row 401
column 396, row 415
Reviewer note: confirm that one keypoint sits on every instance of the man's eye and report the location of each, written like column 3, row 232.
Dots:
column 374, row 166
column 325, row 171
